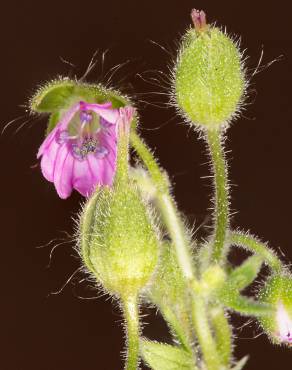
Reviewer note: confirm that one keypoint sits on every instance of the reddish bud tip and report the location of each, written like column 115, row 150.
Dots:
column 199, row 19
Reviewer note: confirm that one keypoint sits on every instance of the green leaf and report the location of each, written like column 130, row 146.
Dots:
column 246, row 273
column 241, row 363
column 244, row 305
column 161, row 356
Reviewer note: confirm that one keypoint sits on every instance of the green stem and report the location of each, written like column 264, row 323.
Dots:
column 177, row 233
column 221, row 214
column 159, row 178
column 131, row 313
column 223, row 334
column 167, row 206
column 252, row 244
column 204, row 334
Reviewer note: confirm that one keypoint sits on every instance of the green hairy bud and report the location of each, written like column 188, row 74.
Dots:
column 209, row 79
column 119, row 242
column 278, row 292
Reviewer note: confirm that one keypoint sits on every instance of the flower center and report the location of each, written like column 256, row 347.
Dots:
column 83, row 136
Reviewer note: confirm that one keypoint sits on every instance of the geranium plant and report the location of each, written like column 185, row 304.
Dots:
column 132, row 238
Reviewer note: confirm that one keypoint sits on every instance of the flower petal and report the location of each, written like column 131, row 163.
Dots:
column 83, row 180
column 47, row 142
column 61, row 125
column 48, row 160
column 63, row 172
column 109, row 114
column 94, row 166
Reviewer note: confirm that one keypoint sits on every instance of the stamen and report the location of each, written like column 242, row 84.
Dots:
column 85, row 118
column 87, row 146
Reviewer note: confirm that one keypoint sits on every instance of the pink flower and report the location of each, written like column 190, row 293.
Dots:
column 80, row 152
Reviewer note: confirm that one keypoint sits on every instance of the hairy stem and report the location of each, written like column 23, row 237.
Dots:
column 204, row 334
column 252, row 244
column 131, row 314
column 176, row 230
column 221, row 213
column 180, row 326
column 167, row 207
column 160, row 179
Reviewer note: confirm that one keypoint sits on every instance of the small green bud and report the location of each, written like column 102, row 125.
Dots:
column 212, row 280
column 278, row 292
column 119, row 241
column 209, row 79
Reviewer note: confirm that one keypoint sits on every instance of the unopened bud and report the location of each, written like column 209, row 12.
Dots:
column 119, row 240
column 209, row 79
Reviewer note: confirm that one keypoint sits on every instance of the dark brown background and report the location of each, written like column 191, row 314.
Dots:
column 64, row 332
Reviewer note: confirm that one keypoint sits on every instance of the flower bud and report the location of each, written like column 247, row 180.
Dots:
column 118, row 240
column 212, row 280
column 278, row 292
column 209, row 80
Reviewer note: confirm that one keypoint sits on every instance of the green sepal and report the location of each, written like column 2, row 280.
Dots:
column 276, row 291
column 60, row 94
column 278, row 288
column 54, row 119
column 119, row 241
column 86, row 231
column 246, row 273
column 53, row 96
column 161, row 356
